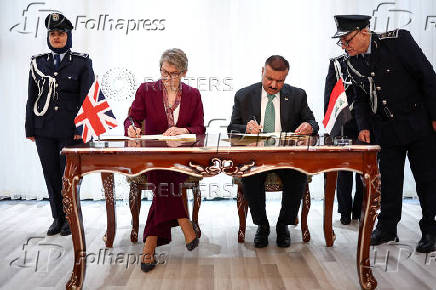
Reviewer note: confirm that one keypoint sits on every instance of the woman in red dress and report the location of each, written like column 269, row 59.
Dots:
column 168, row 107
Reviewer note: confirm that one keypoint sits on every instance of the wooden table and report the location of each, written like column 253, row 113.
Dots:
column 210, row 155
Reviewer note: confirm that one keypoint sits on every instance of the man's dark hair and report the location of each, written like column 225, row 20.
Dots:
column 277, row 62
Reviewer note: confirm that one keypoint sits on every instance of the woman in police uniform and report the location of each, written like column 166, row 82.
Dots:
column 58, row 83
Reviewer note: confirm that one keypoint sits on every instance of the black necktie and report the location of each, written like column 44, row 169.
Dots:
column 57, row 59
column 366, row 58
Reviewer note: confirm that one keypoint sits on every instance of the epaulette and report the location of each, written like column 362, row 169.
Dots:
column 389, row 34
column 84, row 55
column 38, row 55
column 340, row 58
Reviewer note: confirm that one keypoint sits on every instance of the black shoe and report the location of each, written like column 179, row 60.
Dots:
column 147, row 267
column 55, row 227
column 65, row 230
column 283, row 236
column 379, row 237
column 193, row 244
column 345, row 218
column 261, row 237
column 427, row 244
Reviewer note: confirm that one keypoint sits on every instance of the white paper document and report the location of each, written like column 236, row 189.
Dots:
column 182, row 137
column 114, row 137
column 267, row 135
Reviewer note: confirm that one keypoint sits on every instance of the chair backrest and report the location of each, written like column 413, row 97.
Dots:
column 272, row 182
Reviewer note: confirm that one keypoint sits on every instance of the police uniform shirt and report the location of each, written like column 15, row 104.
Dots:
column 61, row 56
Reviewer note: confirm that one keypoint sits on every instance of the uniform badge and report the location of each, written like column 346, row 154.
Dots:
column 389, row 34
column 55, row 17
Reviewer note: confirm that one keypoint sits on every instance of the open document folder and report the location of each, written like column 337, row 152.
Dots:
column 182, row 137
column 268, row 135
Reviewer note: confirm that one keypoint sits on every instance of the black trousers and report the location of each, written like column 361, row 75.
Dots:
column 344, row 183
column 344, row 187
column 53, row 166
column 294, row 185
column 422, row 158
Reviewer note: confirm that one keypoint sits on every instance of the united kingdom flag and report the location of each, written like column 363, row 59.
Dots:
column 95, row 117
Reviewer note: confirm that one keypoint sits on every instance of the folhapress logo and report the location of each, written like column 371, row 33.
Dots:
column 33, row 16
column 105, row 22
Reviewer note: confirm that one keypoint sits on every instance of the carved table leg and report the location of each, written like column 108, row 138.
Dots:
column 242, row 213
column 108, row 186
column 185, row 200
column 304, row 212
column 370, row 204
column 71, row 205
column 196, row 207
column 135, row 205
column 329, row 197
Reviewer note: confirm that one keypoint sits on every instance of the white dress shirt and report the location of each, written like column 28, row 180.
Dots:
column 276, row 104
column 176, row 115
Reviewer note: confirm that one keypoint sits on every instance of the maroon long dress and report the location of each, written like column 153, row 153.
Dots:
column 167, row 205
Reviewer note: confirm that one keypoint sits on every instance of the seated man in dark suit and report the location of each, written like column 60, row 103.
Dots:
column 279, row 107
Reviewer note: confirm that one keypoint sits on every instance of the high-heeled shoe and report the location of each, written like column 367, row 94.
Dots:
column 196, row 229
column 146, row 267
column 194, row 243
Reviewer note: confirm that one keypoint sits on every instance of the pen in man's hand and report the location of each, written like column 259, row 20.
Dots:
column 254, row 119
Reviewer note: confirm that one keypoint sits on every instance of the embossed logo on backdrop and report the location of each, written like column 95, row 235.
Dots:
column 385, row 13
column 31, row 20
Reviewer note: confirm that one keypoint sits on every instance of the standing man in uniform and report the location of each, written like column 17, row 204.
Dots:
column 58, row 83
column 278, row 107
column 348, row 206
column 395, row 88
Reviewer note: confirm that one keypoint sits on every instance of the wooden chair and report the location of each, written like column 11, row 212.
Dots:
column 137, row 184
column 272, row 183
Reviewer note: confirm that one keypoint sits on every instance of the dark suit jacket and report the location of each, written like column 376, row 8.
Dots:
column 74, row 77
column 293, row 108
column 148, row 105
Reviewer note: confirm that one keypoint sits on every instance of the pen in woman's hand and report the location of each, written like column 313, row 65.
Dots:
column 134, row 127
column 132, row 123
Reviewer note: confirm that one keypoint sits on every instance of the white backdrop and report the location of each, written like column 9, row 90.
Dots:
column 226, row 42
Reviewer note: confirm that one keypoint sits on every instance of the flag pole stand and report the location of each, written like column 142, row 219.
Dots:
column 342, row 140
column 99, row 143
